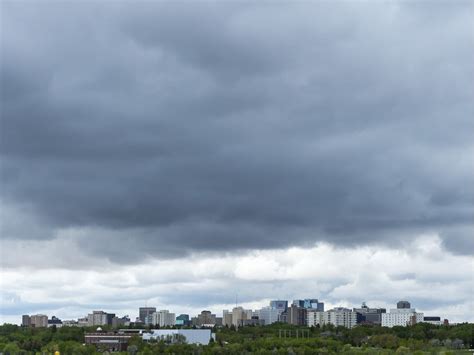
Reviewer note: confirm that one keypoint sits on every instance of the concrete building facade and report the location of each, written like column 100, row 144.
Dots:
column 339, row 316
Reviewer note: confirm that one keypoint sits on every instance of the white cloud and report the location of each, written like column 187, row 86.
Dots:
column 422, row 272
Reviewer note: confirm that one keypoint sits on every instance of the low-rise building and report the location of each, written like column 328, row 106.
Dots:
column 183, row 319
column 189, row 336
column 433, row 320
column 55, row 322
column 110, row 341
column 70, row 323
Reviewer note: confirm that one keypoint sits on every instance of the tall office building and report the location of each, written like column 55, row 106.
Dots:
column 366, row 315
column 280, row 305
column 310, row 303
column 143, row 312
column 269, row 315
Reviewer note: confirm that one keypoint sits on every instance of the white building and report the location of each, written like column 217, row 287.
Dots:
column 163, row 318
column 83, row 322
column 401, row 317
column 191, row 336
column 338, row 317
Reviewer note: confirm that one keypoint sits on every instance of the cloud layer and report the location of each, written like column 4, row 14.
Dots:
column 380, row 276
column 132, row 133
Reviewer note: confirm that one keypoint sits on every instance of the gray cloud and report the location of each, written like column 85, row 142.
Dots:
column 166, row 129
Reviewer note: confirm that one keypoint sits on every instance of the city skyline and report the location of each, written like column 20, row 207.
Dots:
column 302, row 312
column 178, row 155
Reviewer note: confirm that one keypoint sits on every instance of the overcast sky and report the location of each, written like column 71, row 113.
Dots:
column 180, row 154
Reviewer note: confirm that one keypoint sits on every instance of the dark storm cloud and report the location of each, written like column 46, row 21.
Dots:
column 164, row 129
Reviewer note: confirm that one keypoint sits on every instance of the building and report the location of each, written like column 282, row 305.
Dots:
column 39, row 321
column 401, row 316
column 433, row 320
column 83, row 322
column 143, row 312
column 269, row 315
column 226, row 318
column 280, row 305
column 339, row 317
column 206, row 318
column 366, row 315
column 25, row 320
column 309, row 303
column 183, row 319
column 296, row 315
column 189, row 336
column 55, row 321
column 239, row 315
column 163, row 318
column 97, row 318
column 403, row 305
column 111, row 341
column 117, row 322
column 70, row 323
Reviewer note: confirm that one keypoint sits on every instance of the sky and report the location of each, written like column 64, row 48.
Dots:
column 191, row 155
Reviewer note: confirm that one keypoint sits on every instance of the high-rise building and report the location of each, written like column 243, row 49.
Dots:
column 366, row 315
column 280, row 305
column 310, row 303
column 25, row 320
column 97, row 318
column 39, row 321
column 338, row 317
column 143, row 312
column 239, row 315
column 226, row 318
column 269, row 315
column 205, row 318
column 296, row 315
column 163, row 318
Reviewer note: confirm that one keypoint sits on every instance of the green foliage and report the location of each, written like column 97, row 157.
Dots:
column 274, row 339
